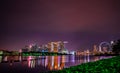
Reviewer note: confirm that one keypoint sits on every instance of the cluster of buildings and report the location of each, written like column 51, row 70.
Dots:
column 58, row 47
column 103, row 47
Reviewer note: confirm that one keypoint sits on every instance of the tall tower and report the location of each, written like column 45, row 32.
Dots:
column 49, row 47
column 55, row 45
column 94, row 49
column 61, row 46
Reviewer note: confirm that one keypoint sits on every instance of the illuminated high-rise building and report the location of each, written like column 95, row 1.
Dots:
column 49, row 47
column 61, row 45
column 35, row 48
column 55, row 49
column 94, row 49
column 62, row 48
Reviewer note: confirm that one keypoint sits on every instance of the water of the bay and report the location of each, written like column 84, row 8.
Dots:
column 38, row 64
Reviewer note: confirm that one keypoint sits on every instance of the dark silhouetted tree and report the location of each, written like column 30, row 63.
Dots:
column 116, row 47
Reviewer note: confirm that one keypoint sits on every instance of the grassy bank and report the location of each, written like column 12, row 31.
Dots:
column 111, row 65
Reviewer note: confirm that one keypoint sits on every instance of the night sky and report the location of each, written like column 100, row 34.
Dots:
column 82, row 23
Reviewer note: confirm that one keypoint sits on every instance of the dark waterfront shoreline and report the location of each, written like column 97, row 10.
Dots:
column 111, row 65
column 47, row 63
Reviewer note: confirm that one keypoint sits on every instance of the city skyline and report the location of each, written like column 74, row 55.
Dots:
column 81, row 23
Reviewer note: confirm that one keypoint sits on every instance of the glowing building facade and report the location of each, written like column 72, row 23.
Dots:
column 57, row 47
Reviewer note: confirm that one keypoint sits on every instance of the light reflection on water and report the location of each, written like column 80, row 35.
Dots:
column 48, row 62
